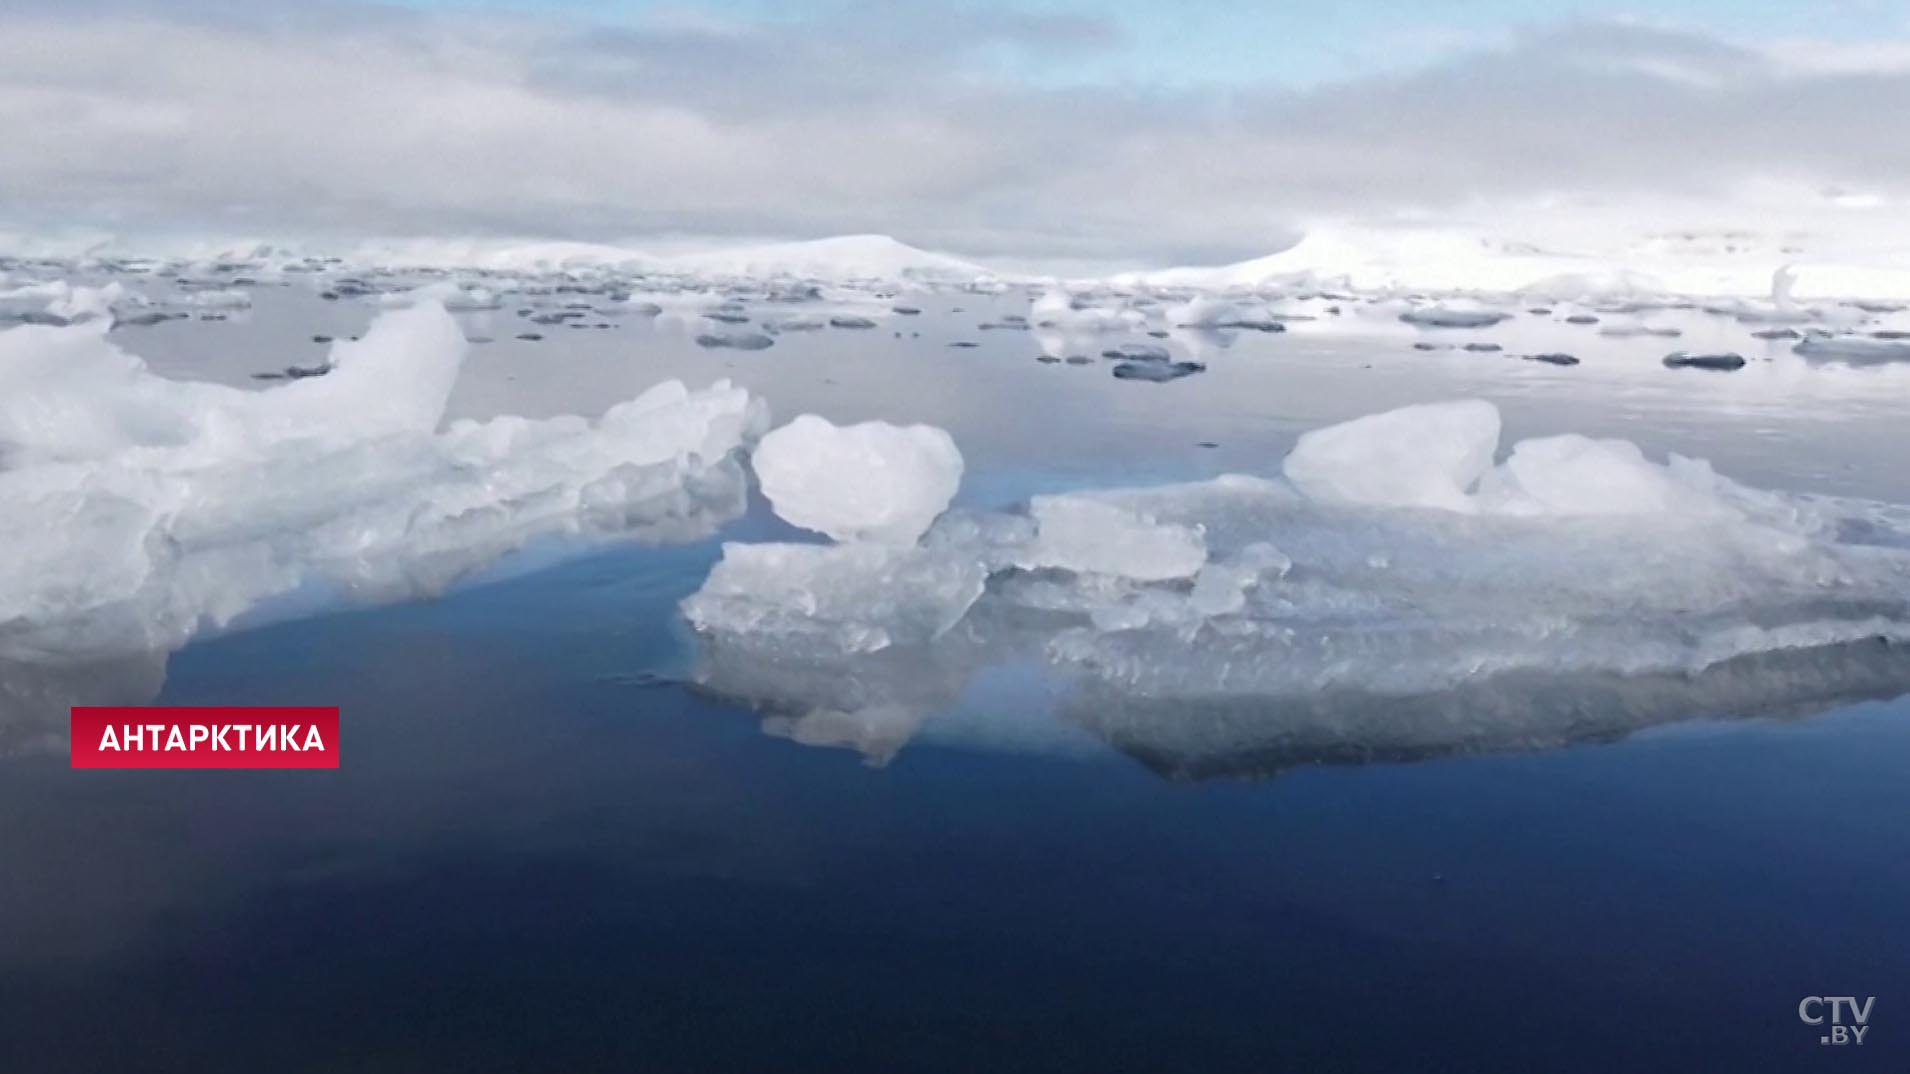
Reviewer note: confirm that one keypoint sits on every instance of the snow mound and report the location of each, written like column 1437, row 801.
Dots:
column 138, row 511
column 872, row 481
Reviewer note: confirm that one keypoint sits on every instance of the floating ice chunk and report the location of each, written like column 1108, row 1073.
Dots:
column 1428, row 455
column 228, row 298
column 1853, row 350
column 1722, row 363
column 69, row 394
column 1078, row 534
column 1640, row 331
column 740, row 341
column 872, row 481
column 799, row 323
column 1577, row 475
column 1139, row 352
column 1454, row 316
column 136, row 511
column 1579, row 571
column 859, row 597
column 1157, row 372
column 452, row 295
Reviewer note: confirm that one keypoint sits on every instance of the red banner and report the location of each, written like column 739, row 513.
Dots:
column 211, row 737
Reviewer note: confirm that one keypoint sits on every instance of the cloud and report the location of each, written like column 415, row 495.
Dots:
column 932, row 124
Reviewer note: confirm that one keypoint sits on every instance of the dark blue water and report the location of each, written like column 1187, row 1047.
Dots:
column 542, row 854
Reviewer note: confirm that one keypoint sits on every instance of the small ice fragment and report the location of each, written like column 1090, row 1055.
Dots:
column 741, row 341
column 1157, row 372
column 872, row 481
column 1138, row 352
column 1428, row 455
column 1855, row 351
column 1453, row 317
column 1720, row 362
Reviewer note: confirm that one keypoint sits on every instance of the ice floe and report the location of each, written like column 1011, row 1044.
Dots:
column 1395, row 572
column 1428, row 455
column 137, row 510
column 1852, row 350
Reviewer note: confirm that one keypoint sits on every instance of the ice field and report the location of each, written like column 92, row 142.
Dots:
column 716, row 634
column 1253, row 488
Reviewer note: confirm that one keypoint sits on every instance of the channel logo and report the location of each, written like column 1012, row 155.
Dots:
column 205, row 737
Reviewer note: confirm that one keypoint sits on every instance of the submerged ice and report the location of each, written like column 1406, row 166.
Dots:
column 138, row 510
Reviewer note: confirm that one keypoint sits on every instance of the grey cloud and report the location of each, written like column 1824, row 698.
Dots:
column 351, row 119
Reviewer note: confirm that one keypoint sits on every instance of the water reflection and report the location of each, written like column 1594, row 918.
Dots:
column 36, row 697
column 877, row 703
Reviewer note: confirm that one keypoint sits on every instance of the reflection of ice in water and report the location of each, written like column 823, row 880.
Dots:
column 1401, row 594
column 36, row 696
column 876, row 703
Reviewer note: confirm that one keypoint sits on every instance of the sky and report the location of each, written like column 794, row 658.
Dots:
column 1198, row 131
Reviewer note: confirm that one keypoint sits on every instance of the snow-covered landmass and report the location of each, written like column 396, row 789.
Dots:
column 1579, row 255
column 1825, row 249
column 846, row 257
column 839, row 258
column 138, row 510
